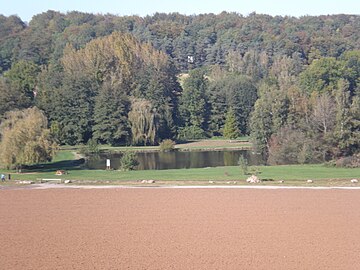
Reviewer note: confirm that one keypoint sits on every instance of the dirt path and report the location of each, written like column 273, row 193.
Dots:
column 179, row 229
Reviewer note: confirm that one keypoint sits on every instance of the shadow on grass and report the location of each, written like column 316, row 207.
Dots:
column 54, row 166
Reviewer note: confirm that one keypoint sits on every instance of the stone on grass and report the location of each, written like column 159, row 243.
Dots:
column 211, row 182
column 309, row 181
column 148, row 181
column 26, row 182
column 354, row 181
column 253, row 179
column 281, row 181
column 67, row 181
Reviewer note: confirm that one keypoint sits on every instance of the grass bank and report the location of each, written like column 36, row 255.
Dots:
column 294, row 175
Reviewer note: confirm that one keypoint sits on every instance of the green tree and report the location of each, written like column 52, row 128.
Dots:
column 230, row 128
column 25, row 138
column 11, row 98
column 18, row 87
column 128, row 161
column 194, row 107
column 269, row 115
column 321, row 76
column 73, row 108
column 237, row 92
column 110, row 115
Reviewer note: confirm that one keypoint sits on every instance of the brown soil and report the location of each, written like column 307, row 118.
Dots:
column 146, row 228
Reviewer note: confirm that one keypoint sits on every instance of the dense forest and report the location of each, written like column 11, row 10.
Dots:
column 292, row 84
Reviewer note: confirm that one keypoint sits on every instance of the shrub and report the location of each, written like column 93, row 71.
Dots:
column 349, row 162
column 92, row 147
column 167, row 145
column 289, row 146
column 243, row 163
column 128, row 161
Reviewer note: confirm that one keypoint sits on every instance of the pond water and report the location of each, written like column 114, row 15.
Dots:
column 177, row 159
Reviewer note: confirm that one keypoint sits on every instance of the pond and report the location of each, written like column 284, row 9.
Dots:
column 177, row 159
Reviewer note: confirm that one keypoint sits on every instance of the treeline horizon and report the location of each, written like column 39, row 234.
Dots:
column 290, row 83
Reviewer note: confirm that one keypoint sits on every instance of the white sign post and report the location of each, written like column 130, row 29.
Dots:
column 108, row 164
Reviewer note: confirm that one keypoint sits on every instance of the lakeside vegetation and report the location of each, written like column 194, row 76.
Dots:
column 293, row 175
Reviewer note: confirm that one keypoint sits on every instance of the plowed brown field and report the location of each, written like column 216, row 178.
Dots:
column 146, row 228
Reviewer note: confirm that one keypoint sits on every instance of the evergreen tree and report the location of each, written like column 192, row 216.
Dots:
column 110, row 115
column 230, row 128
column 73, row 109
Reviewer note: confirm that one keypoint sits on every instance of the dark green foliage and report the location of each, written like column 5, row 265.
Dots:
column 194, row 108
column 230, row 127
column 11, row 98
column 73, row 107
column 23, row 75
column 92, row 147
column 18, row 86
column 128, row 161
column 191, row 133
column 237, row 92
column 110, row 115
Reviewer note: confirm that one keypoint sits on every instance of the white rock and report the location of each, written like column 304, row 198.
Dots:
column 354, row 181
column 67, row 181
column 281, row 181
column 309, row 181
column 26, row 182
column 148, row 181
column 211, row 182
column 253, row 179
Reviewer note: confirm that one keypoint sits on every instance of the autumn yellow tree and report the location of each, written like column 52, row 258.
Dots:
column 25, row 138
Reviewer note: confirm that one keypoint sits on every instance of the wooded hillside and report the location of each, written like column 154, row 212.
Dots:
column 291, row 83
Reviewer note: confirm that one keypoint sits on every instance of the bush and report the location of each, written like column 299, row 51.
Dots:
column 92, row 147
column 348, row 162
column 243, row 163
column 128, row 161
column 167, row 145
column 289, row 146
column 191, row 133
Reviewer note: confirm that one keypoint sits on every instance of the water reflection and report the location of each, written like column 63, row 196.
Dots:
column 178, row 160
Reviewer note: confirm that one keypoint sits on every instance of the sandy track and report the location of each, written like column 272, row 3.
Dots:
column 179, row 229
